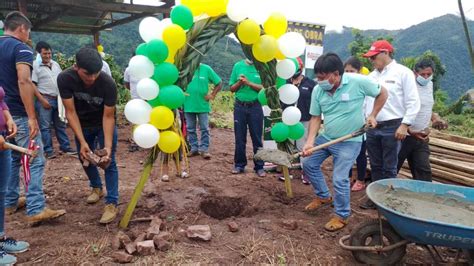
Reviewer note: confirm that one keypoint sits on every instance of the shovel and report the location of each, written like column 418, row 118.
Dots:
column 31, row 153
column 284, row 159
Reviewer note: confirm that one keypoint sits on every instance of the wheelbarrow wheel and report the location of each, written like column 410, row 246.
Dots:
column 368, row 234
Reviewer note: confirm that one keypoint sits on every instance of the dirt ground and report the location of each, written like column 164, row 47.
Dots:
column 78, row 238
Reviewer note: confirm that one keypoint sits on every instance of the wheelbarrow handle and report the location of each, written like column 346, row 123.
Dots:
column 20, row 149
column 357, row 133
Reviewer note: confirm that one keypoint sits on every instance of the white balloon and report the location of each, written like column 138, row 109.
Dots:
column 292, row 44
column 137, row 111
column 289, row 93
column 260, row 10
column 291, row 115
column 146, row 136
column 238, row 10
column 148, row 89
column 147, row 28
column 285, row 68
column 140, row 67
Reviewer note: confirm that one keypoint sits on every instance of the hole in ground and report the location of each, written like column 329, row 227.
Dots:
column 221, row 207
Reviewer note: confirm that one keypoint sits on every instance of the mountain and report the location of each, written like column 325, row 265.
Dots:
column 443, row 35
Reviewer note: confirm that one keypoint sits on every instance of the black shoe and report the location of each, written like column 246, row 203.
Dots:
column 368, row 205
column 50, row 156
column 69, row 152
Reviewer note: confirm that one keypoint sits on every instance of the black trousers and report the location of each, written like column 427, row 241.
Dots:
column 417, row 153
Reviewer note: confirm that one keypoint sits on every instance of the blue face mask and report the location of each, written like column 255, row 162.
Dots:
column 422, row 81
column 325, row 85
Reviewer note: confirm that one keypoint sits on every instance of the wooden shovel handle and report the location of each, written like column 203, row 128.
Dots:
column 332, row 142
column 19, row 149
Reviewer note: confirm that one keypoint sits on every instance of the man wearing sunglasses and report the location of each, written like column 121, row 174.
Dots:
column 398, row 113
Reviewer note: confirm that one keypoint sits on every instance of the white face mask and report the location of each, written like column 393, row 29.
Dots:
column 325, row 85
column 422, row 81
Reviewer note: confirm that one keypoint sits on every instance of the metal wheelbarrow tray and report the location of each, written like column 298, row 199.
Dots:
column 420, row 212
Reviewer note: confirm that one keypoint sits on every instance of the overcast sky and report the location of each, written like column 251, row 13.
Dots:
column 364, row 14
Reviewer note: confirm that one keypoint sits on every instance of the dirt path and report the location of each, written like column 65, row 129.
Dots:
column 78, row 237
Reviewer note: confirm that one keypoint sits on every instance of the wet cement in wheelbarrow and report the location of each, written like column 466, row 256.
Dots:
column 447, row 209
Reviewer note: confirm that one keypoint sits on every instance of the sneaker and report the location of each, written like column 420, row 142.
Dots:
column 193, row 153
column 282, row 178
column 110, row 212
column 336, row 223
column 96, row 194
column 45, row 215
column 261, row 173
column 10, row 245
column 50, row 156
column 206, row 155
column 20, row 205
column 6, row 259
column 69, row 151
column 305, row 179
column 237, row 171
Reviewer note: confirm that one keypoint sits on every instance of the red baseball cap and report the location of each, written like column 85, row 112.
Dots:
column 378, row 47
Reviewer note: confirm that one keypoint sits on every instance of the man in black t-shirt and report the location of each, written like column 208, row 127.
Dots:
column 89, row 97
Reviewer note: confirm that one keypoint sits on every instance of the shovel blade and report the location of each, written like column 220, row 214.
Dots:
column 274, row 156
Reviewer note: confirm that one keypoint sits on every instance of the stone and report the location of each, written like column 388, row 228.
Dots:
column 116, row 244
column 124, row 239
column 157, row 222
column 289, row 224
column 146, row 248
column 163, row 235
column 162, row 244
column 122, row 257
column 152, row 231
column 233, row 226
column 141, row 237
column 202, row 232
column 131, row 248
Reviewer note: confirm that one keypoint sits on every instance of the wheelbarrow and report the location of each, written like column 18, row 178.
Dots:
column 415, row 212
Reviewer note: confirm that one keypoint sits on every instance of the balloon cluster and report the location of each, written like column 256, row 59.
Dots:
column 274, row 42
column 153, row 67
column 1, row 28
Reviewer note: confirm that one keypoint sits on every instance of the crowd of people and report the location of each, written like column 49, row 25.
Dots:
column 393, row 102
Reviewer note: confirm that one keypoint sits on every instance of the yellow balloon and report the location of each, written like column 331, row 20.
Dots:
column 196, row 6
column 161, row 117
column 174, row 36
column 248, row 31
column 215, row 8
column 100, row 48
column 275, row 25
column 171, row 55
column 364, row 71
column 265, row 49
column 169, row 142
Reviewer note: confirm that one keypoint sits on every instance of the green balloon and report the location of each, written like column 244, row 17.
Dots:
column 262, row 98
column 1, row 32
column 280, row 132
column 165, row 74
column 280, row 82
column 155, row 102
column 171, row 96
column 182, row 16
column 141, row 49
column 157, row 51
column 296, row 131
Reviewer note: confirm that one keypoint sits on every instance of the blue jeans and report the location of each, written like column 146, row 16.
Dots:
column 250, row 116
column 5, row 171
column 344, row 155
column 35, row 201
column 383, row 149
column 94, row 136
column 48, row 118
column 203, row 118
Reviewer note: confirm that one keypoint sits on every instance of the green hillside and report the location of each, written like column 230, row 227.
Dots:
column 442, row 35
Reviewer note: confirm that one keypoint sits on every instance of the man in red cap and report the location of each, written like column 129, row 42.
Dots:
column 398, row 113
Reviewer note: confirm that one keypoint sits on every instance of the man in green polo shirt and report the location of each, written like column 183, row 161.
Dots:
column 197, row 107
column 339, row 97
column 245, row 83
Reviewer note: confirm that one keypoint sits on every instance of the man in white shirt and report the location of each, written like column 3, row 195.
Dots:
column 44, row 75
column 398, row 113
column 415, row 146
